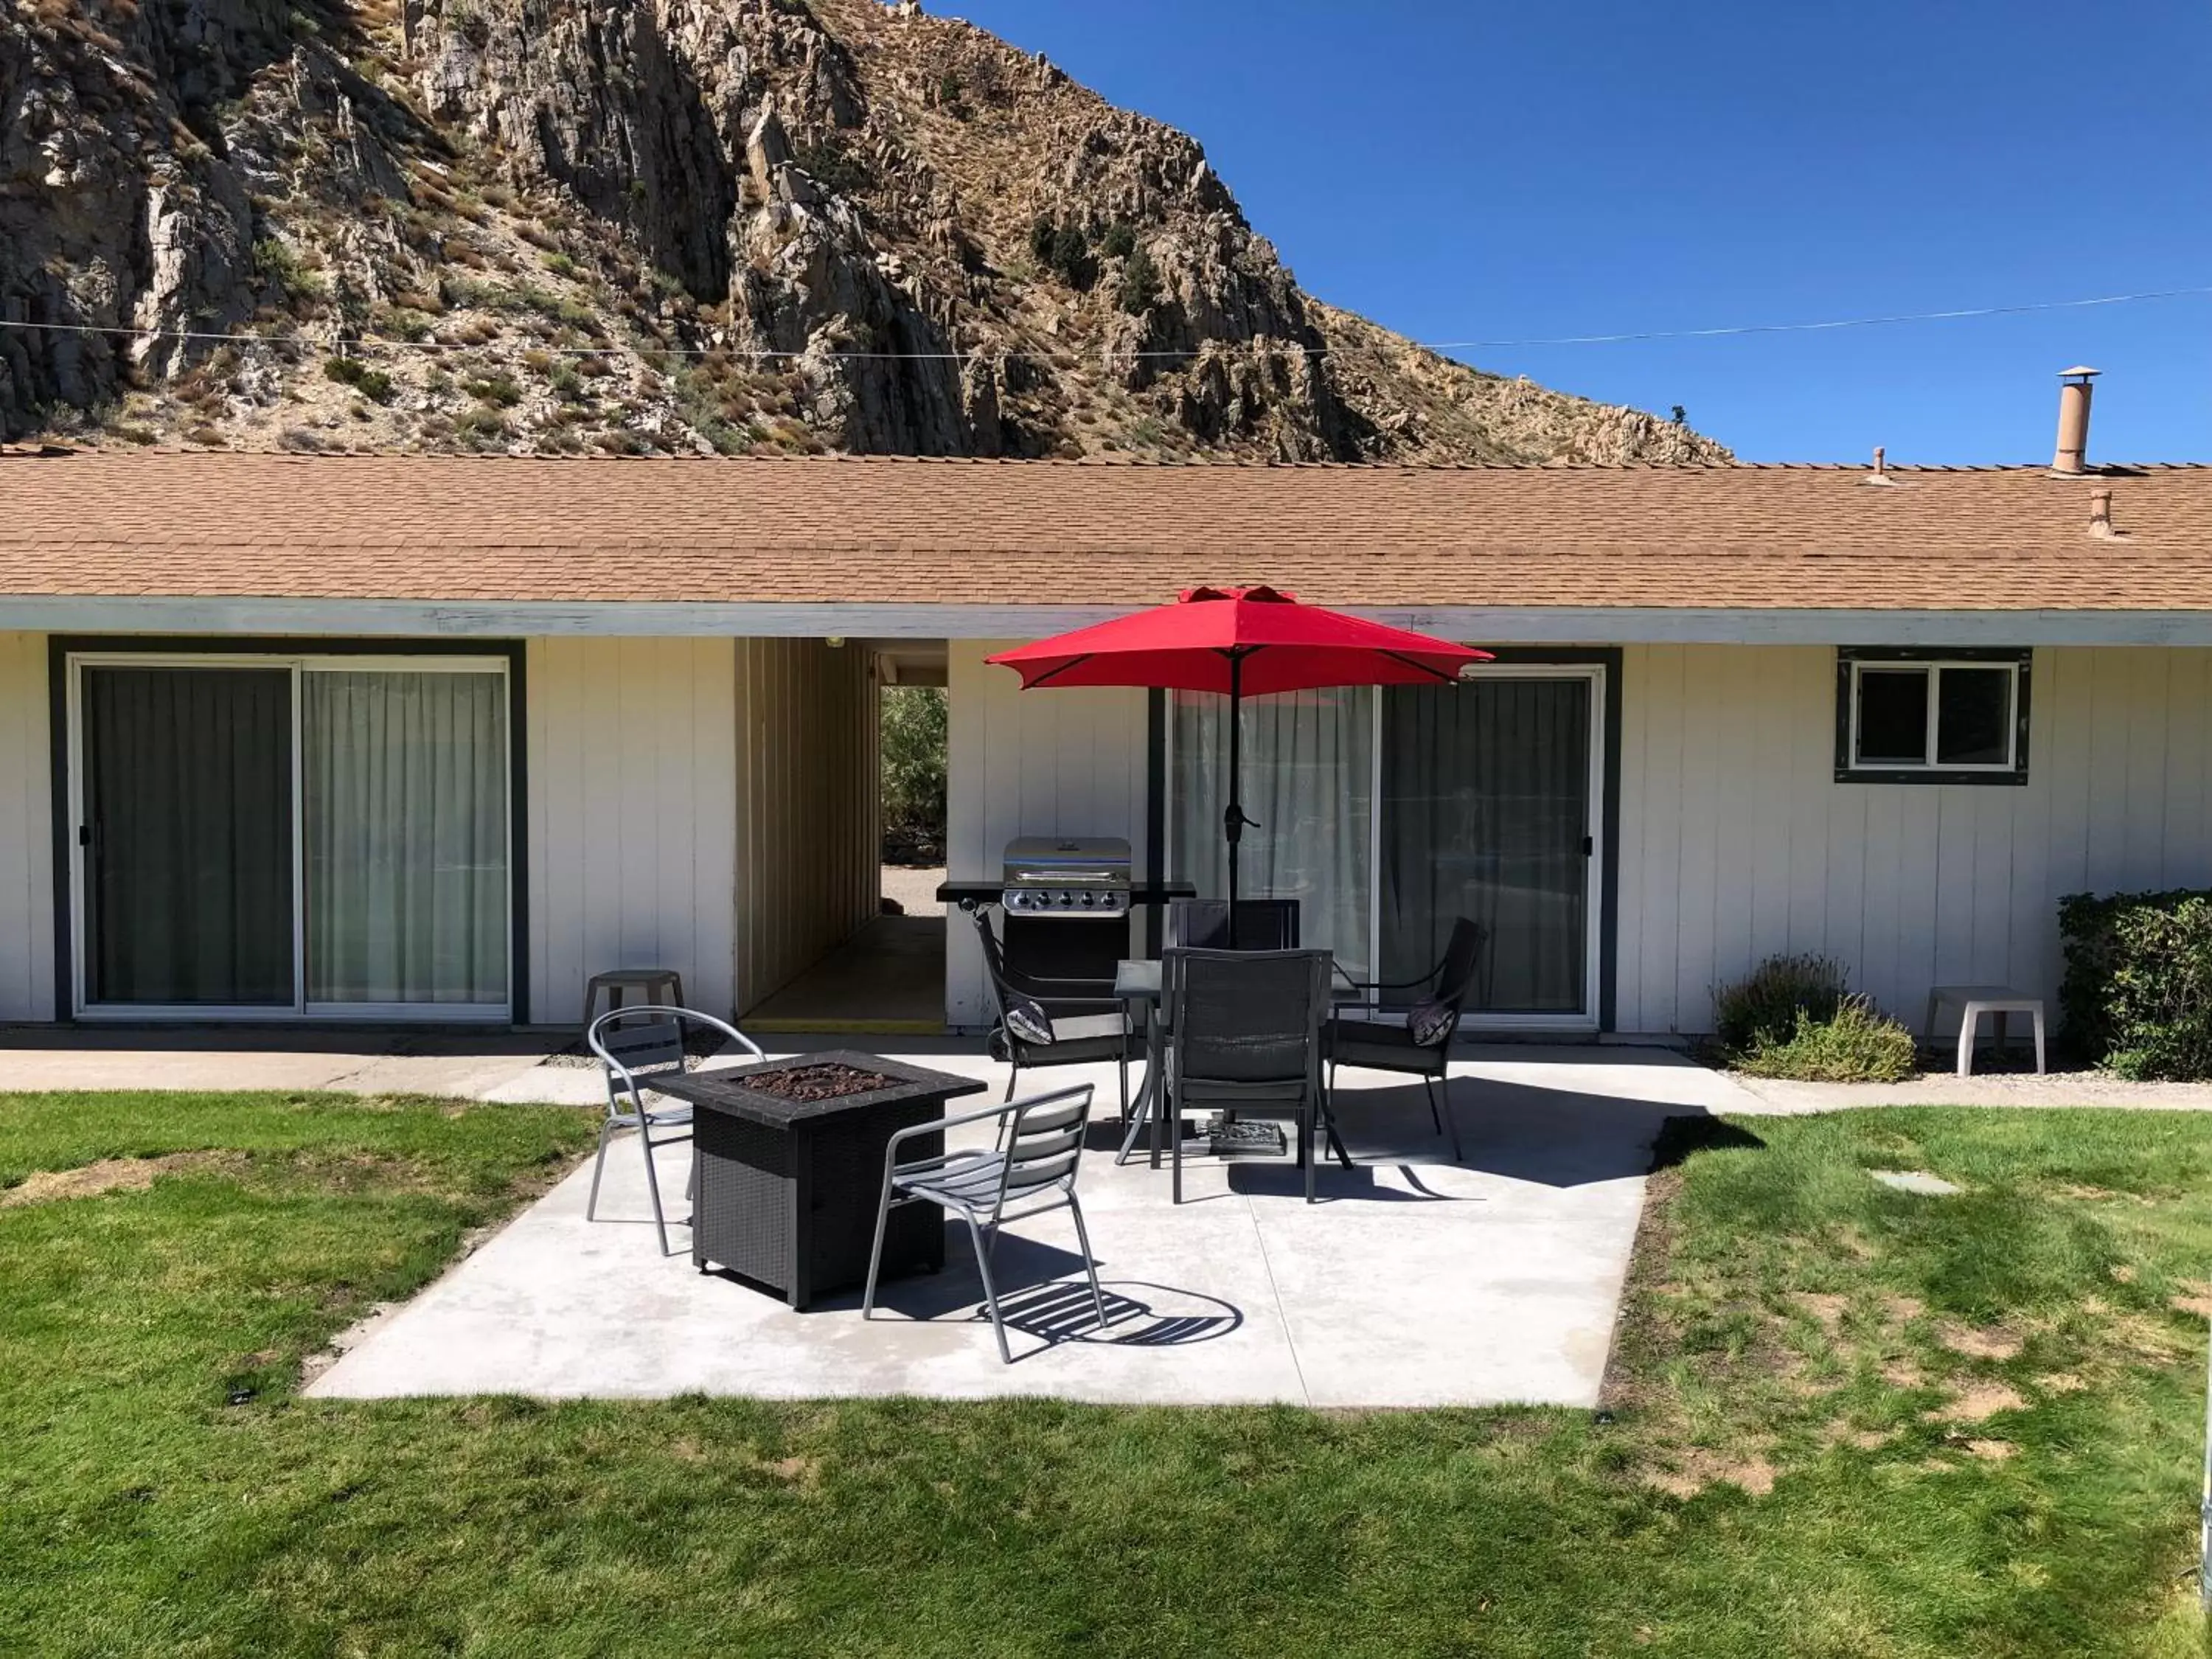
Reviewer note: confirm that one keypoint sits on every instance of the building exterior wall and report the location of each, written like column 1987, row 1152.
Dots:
column 1046, row 762
column 27, row 877
column 1737, row 842
column 633, row 815
column 809, row 837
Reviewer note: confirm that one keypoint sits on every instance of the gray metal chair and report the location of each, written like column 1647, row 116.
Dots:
column 633, row 1046
column 1041, row 1138
column 1422, row 1046
column 1246, row 1039
column 1261, row 925
column 1052, row 1022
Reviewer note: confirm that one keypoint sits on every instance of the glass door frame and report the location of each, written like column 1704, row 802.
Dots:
column 1600, row 668
column 340, row 656
column 1595, row 818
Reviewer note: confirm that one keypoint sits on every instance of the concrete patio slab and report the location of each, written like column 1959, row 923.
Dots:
column 1415, row 1282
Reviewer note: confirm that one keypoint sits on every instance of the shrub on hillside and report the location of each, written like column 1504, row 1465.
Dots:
column 2137, row 994
column 1855, row 1044
column 1140, row 284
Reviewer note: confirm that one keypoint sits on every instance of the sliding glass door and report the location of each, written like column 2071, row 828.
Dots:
column 320, row 836
column 1389, row 813
column 187, row 844
column 404, row 829
column 1487, row 811
column 1309, row 780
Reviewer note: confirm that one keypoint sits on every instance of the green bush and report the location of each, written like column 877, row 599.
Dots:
column 1794, row 1017
column 1764, row 1005
column 1855, row 1043
column 913, row 737
column 373, row 384
column 1140, row 284
column 1064, row 250
column 2137, row 994
column 1120, row 241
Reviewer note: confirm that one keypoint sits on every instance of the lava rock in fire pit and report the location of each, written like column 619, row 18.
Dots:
column 831, row 1081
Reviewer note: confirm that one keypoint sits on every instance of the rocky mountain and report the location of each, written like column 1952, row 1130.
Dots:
column 665, row 226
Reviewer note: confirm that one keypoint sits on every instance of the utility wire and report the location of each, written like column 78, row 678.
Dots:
column 340, row 343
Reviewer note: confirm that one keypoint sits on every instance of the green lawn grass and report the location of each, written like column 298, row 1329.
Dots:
column 1849, row 1422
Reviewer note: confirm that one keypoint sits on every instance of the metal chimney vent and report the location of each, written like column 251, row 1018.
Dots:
column 2075, row 389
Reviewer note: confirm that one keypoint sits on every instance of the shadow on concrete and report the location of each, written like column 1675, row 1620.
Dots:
column 1044, row 1294
column 1283, row 1178
column 1060, row 1313
column 1518, row 1131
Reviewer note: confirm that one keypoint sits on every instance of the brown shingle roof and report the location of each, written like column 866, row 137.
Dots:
column 891, row 532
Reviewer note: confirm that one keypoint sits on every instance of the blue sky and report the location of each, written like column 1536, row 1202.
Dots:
column 1486, row 172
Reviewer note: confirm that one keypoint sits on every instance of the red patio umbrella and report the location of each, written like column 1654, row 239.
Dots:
column 1239, row 642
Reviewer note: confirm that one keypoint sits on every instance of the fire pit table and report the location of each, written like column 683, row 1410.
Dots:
column 790, row 1157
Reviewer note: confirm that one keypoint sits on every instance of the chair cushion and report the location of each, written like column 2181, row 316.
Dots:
column 1077, row 1028
column 1027, row 1020
column 1430, row 1023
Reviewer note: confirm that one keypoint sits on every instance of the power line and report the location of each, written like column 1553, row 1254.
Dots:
column 760, row 354
column 1841, row 322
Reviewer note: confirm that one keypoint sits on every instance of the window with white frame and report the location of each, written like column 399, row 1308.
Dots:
column 1931, row 716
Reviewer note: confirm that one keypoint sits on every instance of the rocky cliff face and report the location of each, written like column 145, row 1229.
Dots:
column 665, row 226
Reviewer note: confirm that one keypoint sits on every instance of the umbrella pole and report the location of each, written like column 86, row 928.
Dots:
column 1232, row 817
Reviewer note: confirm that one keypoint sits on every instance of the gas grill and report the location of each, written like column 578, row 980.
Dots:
column 1046, row 882
column 1080, row 878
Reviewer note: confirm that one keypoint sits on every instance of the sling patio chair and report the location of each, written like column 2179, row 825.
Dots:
column 1246, row 1040
column 635, row 1045
column 1202, row 924
column 1032, row 1173
column 1052, row 1022
column 1421, row 1047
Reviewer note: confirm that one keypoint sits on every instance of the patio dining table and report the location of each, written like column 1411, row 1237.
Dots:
column 1140, row 984
column 1137, row 983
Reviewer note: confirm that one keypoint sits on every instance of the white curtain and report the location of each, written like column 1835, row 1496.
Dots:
column 1309, row 776
column 405, row 789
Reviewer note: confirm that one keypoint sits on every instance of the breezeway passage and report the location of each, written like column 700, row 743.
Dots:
column 1417, row 1282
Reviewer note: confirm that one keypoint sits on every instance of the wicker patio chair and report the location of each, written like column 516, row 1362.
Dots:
column 1052, row 1022
column 1421, row 1047
column 1033, row 1174
column 1246, row 1039
column 634, row 1045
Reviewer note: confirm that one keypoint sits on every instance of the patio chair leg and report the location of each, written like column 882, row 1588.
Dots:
column 876, row 1254
column 1309, row 1147
column 1090, row 1266
column 1175, row 1134
column 990, row 1290
column 1451, row 1123
column 598, row 1167
column 1335, row 1140
column 1435, row 1117
column 652, row 1187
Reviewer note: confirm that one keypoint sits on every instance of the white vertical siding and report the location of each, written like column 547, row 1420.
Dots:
column 810, row 838
column 1737, row 842
column 27, row 877
column 632, row 816
column 1044, row 762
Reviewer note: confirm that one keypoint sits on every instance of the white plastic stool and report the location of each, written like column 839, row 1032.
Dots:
column 1977, row 1001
